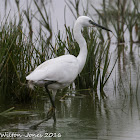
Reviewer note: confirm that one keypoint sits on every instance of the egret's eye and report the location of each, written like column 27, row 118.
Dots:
column 90, row 21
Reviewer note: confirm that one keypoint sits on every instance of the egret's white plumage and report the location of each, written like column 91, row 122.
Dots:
column 64, row 69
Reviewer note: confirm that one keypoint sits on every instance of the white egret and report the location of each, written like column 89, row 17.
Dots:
column 60, row 72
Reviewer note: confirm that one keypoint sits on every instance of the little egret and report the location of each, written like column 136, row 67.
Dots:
column 60, row 72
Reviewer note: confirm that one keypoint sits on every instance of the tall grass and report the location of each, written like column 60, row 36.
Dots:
column 96, row 68
column 14, row 62
column 121, row 15
column 19, row 54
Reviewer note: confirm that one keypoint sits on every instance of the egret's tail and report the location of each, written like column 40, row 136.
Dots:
column 31, row 85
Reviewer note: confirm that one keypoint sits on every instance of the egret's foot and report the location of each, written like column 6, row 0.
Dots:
column 51, row 113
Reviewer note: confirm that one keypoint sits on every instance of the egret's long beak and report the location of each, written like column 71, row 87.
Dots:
column 97, row 25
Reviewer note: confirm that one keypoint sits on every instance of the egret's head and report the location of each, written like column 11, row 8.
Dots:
column 88, row 22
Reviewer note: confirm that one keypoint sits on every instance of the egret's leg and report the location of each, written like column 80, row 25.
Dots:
column 51, row 112
column 52, row 102
column 53, row 98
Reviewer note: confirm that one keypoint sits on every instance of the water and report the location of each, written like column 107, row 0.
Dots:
column 77, row 118
column 84, row 117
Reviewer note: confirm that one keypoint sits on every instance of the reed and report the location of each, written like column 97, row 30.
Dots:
column 122, row 16
column 13, row 58
column 20, row 54
column 97, row 63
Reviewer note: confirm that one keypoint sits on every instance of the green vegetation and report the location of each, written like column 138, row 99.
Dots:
column 122, row 16
column 20, row 53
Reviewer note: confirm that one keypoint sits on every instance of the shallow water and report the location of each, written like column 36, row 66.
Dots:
column 77, row 118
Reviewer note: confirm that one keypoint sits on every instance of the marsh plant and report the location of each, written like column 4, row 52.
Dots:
column 95, row 71
column 20, row 54
column 14, row 62
column 122, row 16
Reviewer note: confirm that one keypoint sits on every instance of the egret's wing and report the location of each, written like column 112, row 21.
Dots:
column 62, row 69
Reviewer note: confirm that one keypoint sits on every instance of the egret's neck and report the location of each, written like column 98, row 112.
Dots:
column 82, row 44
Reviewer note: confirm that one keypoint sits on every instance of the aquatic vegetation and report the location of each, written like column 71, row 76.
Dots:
column 21, row 52
column 122, row 16
column 97, row 63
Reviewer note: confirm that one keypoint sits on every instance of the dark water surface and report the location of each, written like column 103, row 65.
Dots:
column 77, row 118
